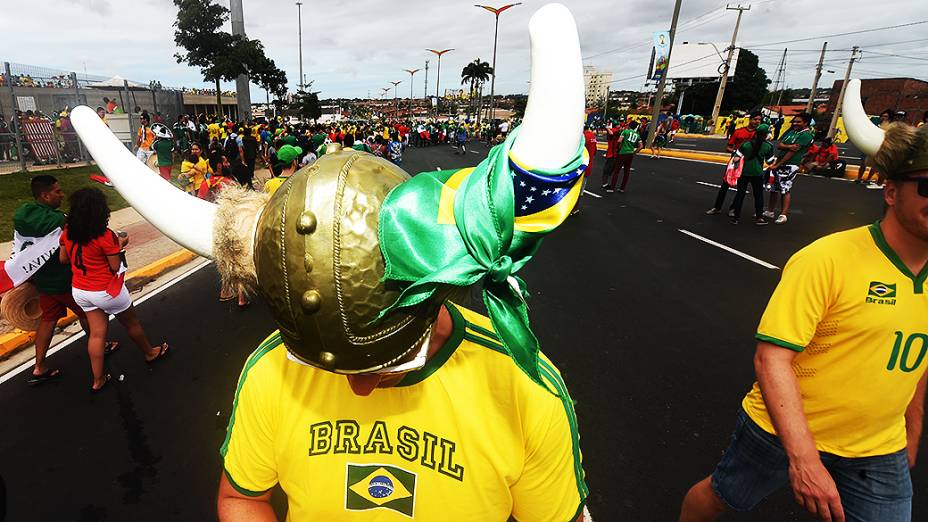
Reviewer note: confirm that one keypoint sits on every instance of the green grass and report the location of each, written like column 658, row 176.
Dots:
column 14, row 191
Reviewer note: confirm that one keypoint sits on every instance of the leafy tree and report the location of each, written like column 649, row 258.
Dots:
column 744, row 91
column 306, row 105
column 221, row 55
column 476, row 73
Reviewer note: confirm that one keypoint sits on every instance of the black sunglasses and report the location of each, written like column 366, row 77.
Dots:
column 922, row 184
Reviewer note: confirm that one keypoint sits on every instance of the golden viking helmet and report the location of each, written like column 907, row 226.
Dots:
column 320, row 270
column 312, row 250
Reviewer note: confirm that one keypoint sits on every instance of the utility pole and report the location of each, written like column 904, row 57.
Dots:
column 818, row 74
column 731, row 52
column 425, row 90
column 655, row 113
column 242, row 89
column 847, row 75
column 780, row 83
column 606, row 106
column 299, row 25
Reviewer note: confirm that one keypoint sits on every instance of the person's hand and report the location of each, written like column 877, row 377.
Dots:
column 912, row 454
column 815, row 490
column 794, row 147
column 123, row 239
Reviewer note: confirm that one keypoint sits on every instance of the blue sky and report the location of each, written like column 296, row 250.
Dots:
column 352, row 48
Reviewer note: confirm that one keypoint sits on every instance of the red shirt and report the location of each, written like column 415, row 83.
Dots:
column 89, row 267
column 590, row 144
column 823, row 154
column 612, row 141
column 740, row 136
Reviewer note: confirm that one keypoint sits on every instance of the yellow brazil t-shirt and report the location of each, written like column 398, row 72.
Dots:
column 196, row 177
column 859, row 319
column 469, row 437
column 271, row 185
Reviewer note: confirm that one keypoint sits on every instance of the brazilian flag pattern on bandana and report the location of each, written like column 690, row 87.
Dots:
column 372, row 486
column 478, row 225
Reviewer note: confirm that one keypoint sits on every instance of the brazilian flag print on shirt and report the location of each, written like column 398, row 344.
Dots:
column 469, row 437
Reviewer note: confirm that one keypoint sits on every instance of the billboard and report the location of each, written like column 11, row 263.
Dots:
column 699, row 61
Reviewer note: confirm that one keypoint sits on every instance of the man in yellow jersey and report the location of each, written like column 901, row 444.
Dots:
column 378, row 398
column 288, row 156
column 836, row 411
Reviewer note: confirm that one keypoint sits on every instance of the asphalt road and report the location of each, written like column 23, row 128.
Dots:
column 652, row 329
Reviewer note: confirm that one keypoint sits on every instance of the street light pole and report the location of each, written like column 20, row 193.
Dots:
column 496, row 12
column 411, row 72
column 396, row 106
column 438, row 77
column 716, row 107
column 299, row 24
column 847, row 76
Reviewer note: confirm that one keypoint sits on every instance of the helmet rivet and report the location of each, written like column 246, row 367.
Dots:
column 327, row 358
column 311, row 301
column 306, row 223
column 308, row 263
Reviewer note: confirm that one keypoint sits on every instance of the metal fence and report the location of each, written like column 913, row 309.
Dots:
column 35, row 128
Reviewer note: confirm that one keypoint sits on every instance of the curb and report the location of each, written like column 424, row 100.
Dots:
column 10, row 342
column 714, row 157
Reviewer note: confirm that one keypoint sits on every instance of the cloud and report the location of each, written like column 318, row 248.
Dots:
column 350, row 48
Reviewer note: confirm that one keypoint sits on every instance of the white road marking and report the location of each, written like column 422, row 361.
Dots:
column 595, row 195
column 63, row 344
column 475, row 152
column 687, row 145
column 730, row 249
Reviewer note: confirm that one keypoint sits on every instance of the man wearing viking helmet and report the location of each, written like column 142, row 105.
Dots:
column 837, row 408
column 379, row 397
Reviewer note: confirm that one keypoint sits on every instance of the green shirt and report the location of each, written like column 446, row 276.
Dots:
column 803, row 138
column 630, row 140
column 35, row 220
column 754, row 166
column 290, row 139
column 164, row 149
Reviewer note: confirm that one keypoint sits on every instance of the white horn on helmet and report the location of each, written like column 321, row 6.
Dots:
column 862, row 132
column 553, row 125
column 185, row 219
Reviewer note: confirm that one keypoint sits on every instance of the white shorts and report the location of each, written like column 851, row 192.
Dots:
column 89, row 300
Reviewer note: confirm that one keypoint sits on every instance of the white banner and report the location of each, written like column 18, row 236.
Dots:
column 29, row 254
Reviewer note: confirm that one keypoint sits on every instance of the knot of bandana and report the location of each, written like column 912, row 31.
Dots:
column 500, row 270
column 460, row 227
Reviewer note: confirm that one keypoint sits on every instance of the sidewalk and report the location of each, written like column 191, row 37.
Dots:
column 149, row 255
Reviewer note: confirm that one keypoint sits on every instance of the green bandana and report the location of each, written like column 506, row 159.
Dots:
column 461, row 227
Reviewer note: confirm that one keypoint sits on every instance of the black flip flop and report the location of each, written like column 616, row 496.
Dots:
column 48, row 375
column 162, row 353
column 110, row 347
column 106, row 379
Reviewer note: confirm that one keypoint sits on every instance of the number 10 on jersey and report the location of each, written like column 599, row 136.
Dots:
column 902, row 351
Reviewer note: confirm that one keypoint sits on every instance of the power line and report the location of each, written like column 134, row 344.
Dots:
column 843, row 34
column 898, row 56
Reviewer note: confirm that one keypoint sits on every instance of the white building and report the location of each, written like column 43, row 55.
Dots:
column 596, row 85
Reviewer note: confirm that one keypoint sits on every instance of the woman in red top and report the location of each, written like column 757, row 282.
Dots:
column 96, row 256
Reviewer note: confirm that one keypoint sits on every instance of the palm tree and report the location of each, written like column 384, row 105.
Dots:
column 476, row 73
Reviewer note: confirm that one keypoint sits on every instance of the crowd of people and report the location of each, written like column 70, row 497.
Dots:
column 61, row 81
